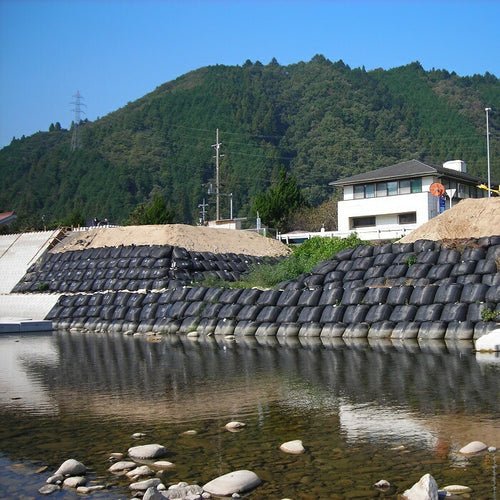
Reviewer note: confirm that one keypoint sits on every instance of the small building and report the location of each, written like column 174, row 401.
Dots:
column 7, row 218
column 392, row 201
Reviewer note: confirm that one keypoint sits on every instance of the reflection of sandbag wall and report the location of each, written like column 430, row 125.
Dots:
column 375, row 292
column 130, row 268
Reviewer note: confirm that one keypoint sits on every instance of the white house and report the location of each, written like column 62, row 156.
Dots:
column 398, row 198
column 390, row 202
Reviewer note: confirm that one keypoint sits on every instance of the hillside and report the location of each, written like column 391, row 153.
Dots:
column 322, row 120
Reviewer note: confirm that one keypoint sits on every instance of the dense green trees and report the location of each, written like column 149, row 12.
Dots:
column 321, row 120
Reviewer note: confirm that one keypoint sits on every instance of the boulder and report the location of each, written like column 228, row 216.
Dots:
column 182, row 491
column 234, row 482
column 295, row 447
column 74, row 481
column 144, row 485
column 425, row 489
column 489, row 342
column 121, row 466
column 71, row 467
column 152, row 494
column 142, row 470
column 473, row 447
column 147, row 451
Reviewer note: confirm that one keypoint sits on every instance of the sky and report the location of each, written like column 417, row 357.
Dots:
column 114, row 51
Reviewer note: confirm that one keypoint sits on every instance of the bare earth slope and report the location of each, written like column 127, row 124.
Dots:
column 471, row 218
column 193, row 238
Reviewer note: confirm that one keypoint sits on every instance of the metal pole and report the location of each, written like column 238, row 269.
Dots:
column 231, row 206
column 488, row 149
column 217, row 200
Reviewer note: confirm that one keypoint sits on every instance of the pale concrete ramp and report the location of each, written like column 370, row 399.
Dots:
column 19, row 251
column 33, row 306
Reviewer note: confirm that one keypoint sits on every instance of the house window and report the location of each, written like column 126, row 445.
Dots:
column 370, row 191
column 416, row 185
column 363, row 221
column 392, row 188
column 408, row 218
column 404, row 187
column 381, row 188
column 359, row 192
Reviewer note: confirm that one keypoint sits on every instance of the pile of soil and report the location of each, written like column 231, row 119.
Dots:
column 192, row 238
column 471, row 218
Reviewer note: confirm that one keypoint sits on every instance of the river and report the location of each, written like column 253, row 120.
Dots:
column 364, row 410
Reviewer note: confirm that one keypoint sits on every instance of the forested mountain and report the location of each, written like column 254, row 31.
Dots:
column 321, row 120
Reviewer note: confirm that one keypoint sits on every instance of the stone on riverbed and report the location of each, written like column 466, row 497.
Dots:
column 48, row 489
column 144, row 485
column 142, row 470
column 457, row 489
column 121, row 466
column 295, row 447
column 74, row 481
column 235, row 426
column 71, row 467
column 152, row 494
column 147, row 451
column 425, row 489
column 234, row 482
column 182, row 491
column 55, row 479
column 163, row 464
column 473, row 447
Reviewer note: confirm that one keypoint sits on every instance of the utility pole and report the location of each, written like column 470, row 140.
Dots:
column 488, row 149
column 217, row 146
column 75, row 138
column 203, row 211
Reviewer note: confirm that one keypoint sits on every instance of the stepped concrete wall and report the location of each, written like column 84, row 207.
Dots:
column 418, row 290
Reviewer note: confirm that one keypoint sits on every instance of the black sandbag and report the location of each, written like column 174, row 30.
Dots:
column 330, row 330
column 289, row 298
column 476, row 292
column 449, row 256
column 424, row 245
column 334, row 276
column 331, row 296
column 355, row 313
column 325, row 267
column 448, row 294
column 384, row 259
column 353, row 295
column 376, row 295
column 120, row 312
column 430, row 257
column 440, row 271
column 288, row 314
column 148, row 312
column 333, row 314
column 248, row 296
column 248, row 312
column 161, row 251
column 268, row 297
column 476, row 311
column 423, row 295
column 195, row 308
column 402, row 247
column 374, row 273
column 354, row 275
column 493, row 294
column 107, row 312
column 429, row 312
column 378, row 312
column 344, row 254
column 310, row 314
column 432, row 330
column 229, row 311
column 314, row 280
column 178, row 309
column 469, row 279
column 463, row 268
column 382, row 248
column 417, row 271
column 403, row 313
column 454, row 312
column 381, row 330
column 356, row 331
column 362, row 251
column 196, row 293
column 362, row 263
column 135, row 299
column 309, row 297
column 459, row 330
column 268, row 314
column 473, row 253
column 344, row 265
column 396, row 271
column 405, row 330
column 151, row 298
column 493, row 252
column 485, row 266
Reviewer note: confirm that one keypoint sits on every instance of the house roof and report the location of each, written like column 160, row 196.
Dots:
column 411, row 168
column 7, row 217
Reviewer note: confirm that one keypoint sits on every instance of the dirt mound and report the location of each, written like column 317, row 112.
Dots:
column 197, row 239
column 471, row 218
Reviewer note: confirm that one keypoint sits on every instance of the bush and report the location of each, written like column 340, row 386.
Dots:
column 304, row 257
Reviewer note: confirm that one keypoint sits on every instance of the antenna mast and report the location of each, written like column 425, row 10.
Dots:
column 75, row 138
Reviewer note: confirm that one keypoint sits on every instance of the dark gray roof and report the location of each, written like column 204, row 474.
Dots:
column 406, row 169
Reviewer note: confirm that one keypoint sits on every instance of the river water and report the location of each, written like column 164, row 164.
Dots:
column 364, row 411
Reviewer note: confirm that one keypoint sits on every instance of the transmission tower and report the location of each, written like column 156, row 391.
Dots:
column 75, row 138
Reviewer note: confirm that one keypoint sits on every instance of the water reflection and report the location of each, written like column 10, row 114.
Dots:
column 433, row 396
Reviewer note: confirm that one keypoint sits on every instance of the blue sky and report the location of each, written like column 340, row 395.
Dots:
column 116, row 51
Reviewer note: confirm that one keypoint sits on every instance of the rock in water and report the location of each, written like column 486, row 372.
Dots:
column 144, row 485
column 147, row 451
column 235, row 426
column 473, row 447
column 234, row 482
column 48, row 489
column 74, row 481
column 489, row 342
column 121, row 466
column 425, row 489
column 71, row 467
column 295, row 447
